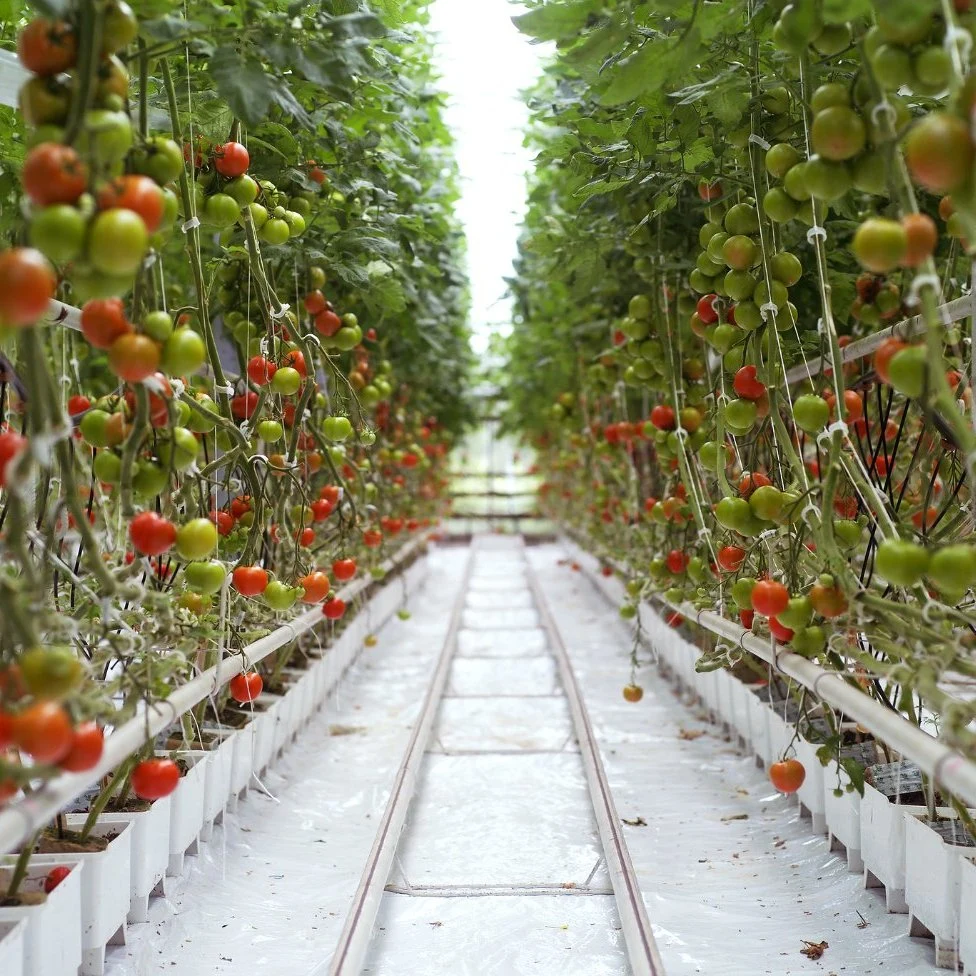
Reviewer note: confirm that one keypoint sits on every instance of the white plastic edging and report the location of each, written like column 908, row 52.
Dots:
column 944, row 764
column 645, row 959
column 19, row 820
column 12, row 75
column 353, row 945
column 954, row 311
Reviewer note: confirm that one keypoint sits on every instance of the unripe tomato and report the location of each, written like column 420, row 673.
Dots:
column 196, row 539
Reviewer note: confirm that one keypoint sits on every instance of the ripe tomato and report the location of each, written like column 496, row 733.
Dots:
column 223, row 520
column 43, row 731
column 246, row 687
column 939, row 151
column 769, row 597
column 787, row 775
column 828, row 601
column 746, row 384
column 677, row 561
column 53, row 173
column 663, row 417
column 152, row 779
column 328, row 323
column 77, row 405
column 103, row 321
column 240, row 506
column 12, row 445
column 134, row 357
column 706, row 309
column 231, row 159
column 783, row 634
column 321, row 509
column 344, row 569
column 751, row 481
column 54, row 877
column 151, row 534
column 260, row 370
column 334, row 608
column 633, row 693
column 244, row 405
column 923, row 236
column 250, row 580
column 730, row 558
column 316, row 585
column 372, row 538
column 87, row 745
column 315, row 302
column 47, row 47
column 27, row 285
column 295, row 359
column 137, row 193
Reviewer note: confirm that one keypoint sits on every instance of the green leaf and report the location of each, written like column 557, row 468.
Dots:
column 242, row 83
column 643, row 71
column 555, row 21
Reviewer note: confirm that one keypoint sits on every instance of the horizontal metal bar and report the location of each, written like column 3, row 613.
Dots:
column 954, row 311
column 494, row 891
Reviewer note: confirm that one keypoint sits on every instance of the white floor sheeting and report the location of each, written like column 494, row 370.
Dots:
column 499, row 869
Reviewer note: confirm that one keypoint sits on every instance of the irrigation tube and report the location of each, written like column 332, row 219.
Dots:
column 947, row 766
column 642, row 950
column 22, row 819
column 350, row 953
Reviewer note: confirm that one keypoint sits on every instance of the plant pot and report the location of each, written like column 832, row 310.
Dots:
column 263, row 724
column 811, row 793
column 52, row 930
column 150, row 854
column 933, row 883
column 300, row 687
column 741, row 696
column 186, row 810
column 883, row 816
column 967, row 912
column 216, row 791
column 844, row 812
column 104, row 889
column 12, row 947
column 757, row 706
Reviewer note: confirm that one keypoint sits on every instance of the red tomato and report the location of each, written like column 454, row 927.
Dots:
column 54, row 174
column 730, row 558
column 27, row 285
column 781, row 633
column 751, row 481
column 54, row 877
column 103, row 321
column 87, row 745
column 231, row 159
column 788, row 775
column 746, row 385
column 296, row 359
column 223, row 520
column 770, row 597
column 344, row 569
column 240, row 506
column 152, row 779
column 334, row 608
column 260, row 370
column 746, row 617
column 43, row 731
column 372, row 538
column 315, row 302
column 316, row 585
column 77, row 405
column 151, row 534
column 137, row 193
column 244, row 405
column 246, row 687
column 321, row 509
column 134, row 357
column 250, row 580
column 47, row 47
column 677, row 561
column 706, row 309
column 328, row 323
column 663, row 417
column 12, row 446
column 305, row 537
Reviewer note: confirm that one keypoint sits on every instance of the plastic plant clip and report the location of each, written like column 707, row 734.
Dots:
column 190, row 224
column 758, row 140
column 816, row 231
column 918, row 283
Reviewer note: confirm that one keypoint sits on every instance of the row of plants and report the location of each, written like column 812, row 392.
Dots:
column 737, row 350
column 246, row 208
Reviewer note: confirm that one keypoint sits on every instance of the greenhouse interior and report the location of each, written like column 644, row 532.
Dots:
column 486, row 487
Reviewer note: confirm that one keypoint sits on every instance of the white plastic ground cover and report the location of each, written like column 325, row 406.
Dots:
column 500, row 870
column 268, row 895
column 733, row 881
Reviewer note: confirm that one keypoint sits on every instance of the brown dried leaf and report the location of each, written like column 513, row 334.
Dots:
column 689, row 735
column 813, row 950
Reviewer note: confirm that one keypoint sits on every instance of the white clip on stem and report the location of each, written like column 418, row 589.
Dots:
column 821, row 328
column 767, row 534
column 884, row 108
column 227, row 389
column 920, row 282
column 959, row 36
column 816, row 231
column 827, row 433
column 758, row 140
column 151, row 258
column 179, row 387
column 705, row 533
column 190, row 224
column 282, row 312
column 245, row 429
column 927, row 610
column 810, row 508
column 770, row 308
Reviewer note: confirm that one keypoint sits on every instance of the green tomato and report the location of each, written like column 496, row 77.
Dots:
column 766, row 503
column 275, row 231
column 51, row 672
column 198, row 422
column 270, row 431
column 107, row 467
column 848, row 533
column 105, row 137
column 158, row 325
column 901, row 562
column 196, row 539
column 287, row 381
column 205, row 577
column 184, row 352
column 953, row 568
column 221, row 211
column 295, row 222
column 58, row 232
column 731, row 513
column 149, row 480
column 346, row 338
column 279, row 596
column 117, row 242
column 159, row 158
column 809, row 640
column 181, row 450
column 243, row 190
column 742, row 592
column 337, row 428
column 798, row 613
column 811, row 413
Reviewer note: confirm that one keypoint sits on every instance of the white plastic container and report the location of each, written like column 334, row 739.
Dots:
column 216, row 792
column 843, row 816
column 12, row 947
column 811, row 793
column 150, row 855
column 52, row 930
column 933, row 888
column 186, row 811
column 967, row 911
column 104, row 889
